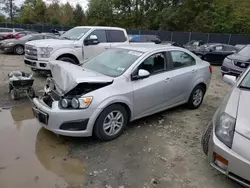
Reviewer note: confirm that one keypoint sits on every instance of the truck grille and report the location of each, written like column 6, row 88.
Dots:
column 242, row 65
column 30, row 52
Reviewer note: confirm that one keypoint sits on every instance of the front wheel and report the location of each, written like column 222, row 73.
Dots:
column 196, row 97
column 19, row 50
column 111, row 122
column 205, row 138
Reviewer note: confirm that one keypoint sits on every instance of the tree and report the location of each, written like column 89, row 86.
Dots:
column 78, row 15
column 67, row 14
column 10, row 8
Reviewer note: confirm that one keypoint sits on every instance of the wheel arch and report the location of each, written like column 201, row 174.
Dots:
column 69, row 55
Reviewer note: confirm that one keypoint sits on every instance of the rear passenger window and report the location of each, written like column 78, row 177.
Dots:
column 181, row 59
column 116, row 36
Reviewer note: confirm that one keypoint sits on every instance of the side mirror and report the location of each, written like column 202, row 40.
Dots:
column 229, row 79
column 92, row 40
column 141, row 75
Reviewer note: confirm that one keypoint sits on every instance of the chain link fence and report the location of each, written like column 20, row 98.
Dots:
column 179, row 37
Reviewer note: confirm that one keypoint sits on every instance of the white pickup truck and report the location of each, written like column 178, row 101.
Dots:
column 74, row 46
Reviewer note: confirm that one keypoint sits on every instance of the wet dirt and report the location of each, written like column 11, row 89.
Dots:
column 33, row 157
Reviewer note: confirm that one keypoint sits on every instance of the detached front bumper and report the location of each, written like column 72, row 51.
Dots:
column 75, row 123
column 228, row 162
column 37, row 65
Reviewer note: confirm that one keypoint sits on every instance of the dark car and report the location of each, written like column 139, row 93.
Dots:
column 214, row 53
column 145, row 38
column 16, row 46
column 236, row 63
column 171, row 43
column 193, row 44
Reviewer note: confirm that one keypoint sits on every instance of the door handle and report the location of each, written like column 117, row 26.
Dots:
column 106, row 48
column 194, row 71
column 167, row 79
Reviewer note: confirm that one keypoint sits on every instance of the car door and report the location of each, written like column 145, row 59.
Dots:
column 151, row 92
column 95, row 49
column 184, row 70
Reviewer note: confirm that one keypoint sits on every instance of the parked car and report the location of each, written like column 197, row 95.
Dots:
column 226, row 139
column 236, row 63
column 75, row 46
column 171, row 43
column 16, row 46
column 86, row 100
column 8, row 33
column 145, row 38
column 23, row 33
column 214, row 53
column 193, row 44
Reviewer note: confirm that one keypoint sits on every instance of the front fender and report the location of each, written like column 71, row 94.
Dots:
column 62, row 51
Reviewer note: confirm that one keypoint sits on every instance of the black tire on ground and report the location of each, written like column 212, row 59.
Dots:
column 205, row 138
column 99, row 124
column 13, row 94
column 19, row 50
column 68, row 59
column 191, row 104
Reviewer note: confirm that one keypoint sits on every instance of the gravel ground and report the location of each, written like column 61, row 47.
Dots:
column 161, row 151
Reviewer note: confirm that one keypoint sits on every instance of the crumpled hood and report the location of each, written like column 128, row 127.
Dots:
column 67, row 76
column 243, row 115
column 238, row 57
column 51, row 43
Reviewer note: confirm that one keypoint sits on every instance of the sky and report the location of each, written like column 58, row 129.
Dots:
column 73, row 2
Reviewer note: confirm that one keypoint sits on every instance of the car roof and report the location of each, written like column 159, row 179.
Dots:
column 100, row 27
column 147, row 48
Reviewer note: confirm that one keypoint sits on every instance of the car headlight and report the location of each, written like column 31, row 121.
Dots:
column 224, row 129
column 9, row 44
column 77, row 103
column 45, row 52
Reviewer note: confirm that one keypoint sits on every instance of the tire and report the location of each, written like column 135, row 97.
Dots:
column 191, row 103
column 99, row 131
column 13, row 94
column 205, row 138
column 68, row 59
column 19, row 50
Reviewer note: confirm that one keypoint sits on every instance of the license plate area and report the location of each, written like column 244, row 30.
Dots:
column 40, row 116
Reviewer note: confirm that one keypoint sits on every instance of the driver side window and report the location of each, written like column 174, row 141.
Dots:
column 154, row 64
column 101, row 35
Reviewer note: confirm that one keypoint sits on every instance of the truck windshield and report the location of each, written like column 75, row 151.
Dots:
column 75, row 33
column 113, row 62
column 245, row 51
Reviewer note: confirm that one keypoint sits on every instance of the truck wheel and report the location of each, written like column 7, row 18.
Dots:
column 19, row 50
column 111, row 122
column 205, row 138
column 68, row 59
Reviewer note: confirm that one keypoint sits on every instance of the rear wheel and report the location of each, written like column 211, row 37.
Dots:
column 68, row 59
column 19, row 50
column 196, row 97
column 205, row 138
column 111, row 122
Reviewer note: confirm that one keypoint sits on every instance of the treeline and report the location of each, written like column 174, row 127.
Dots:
column 220, row 16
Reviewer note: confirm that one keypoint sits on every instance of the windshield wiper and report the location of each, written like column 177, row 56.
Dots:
column 244, row 87
column 65, row 38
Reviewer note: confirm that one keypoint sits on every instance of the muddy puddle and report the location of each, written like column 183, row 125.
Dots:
column 32, row 157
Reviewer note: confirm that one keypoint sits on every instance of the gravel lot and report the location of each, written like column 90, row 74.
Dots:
column 158, row 151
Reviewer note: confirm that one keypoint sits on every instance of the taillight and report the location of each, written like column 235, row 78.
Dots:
column 211, row 69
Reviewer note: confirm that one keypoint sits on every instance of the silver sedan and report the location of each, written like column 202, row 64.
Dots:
column 118, row 86
column 226, row 140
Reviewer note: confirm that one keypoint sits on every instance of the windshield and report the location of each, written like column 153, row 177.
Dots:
column 245, row 51
column 113, row 62
column 75, row 33
column 245, row 83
